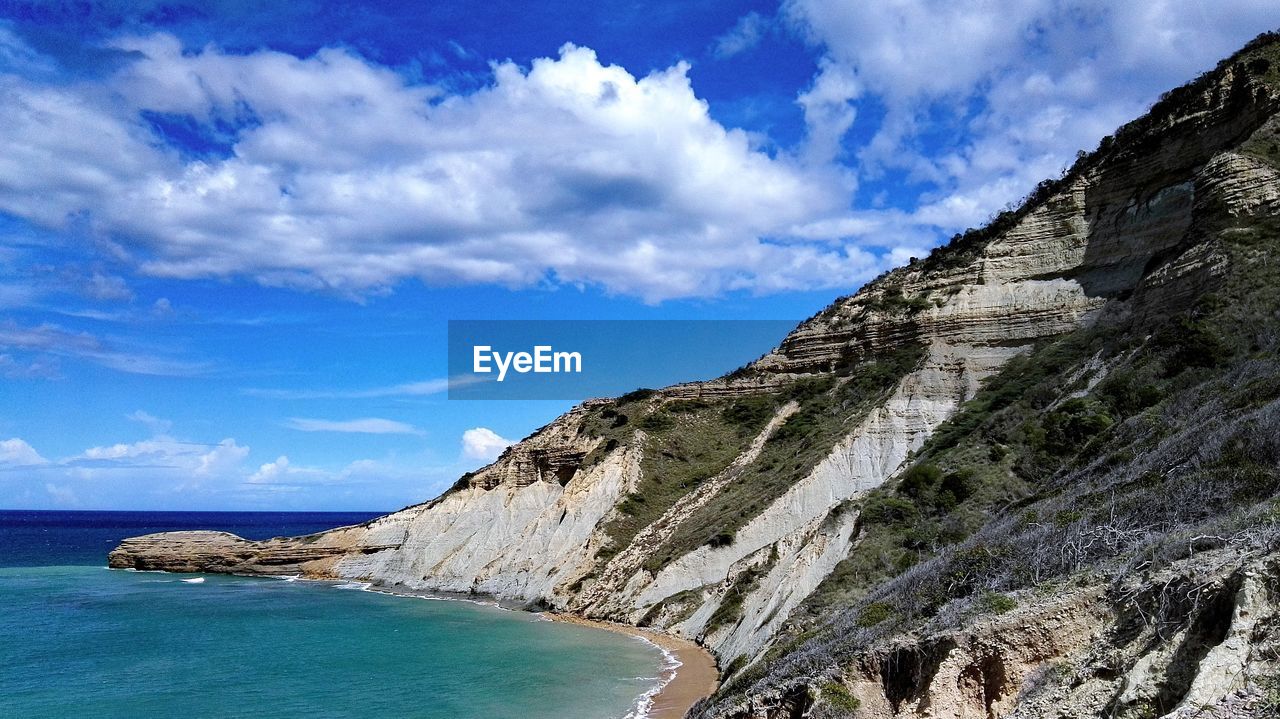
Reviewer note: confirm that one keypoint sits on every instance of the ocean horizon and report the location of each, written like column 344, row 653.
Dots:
column 76, row 637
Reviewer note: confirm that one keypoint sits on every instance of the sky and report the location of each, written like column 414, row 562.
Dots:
column 232, row 233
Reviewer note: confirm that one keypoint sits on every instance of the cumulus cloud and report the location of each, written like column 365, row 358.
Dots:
column 161, row 462
column 335, row 172
column 16, row 452
column 1010, row 88
column 365, row 425
column 483, row 443
column 163, row 472
column 271, row 471
column 162, row 452
column 283, row 473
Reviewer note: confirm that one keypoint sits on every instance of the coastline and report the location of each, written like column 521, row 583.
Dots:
column 694, row 676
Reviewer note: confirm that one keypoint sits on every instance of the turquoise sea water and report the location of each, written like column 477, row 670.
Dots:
column 79, row 640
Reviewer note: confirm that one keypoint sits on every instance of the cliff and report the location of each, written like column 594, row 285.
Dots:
column 842, row 521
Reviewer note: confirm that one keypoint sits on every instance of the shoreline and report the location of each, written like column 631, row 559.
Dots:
column 695, row 675
column 692, row 674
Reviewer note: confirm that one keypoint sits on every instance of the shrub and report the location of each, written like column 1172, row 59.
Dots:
column 632, row 504
column 736, row 665
column 996, row 603
column 749, row 412
column 954, row 488
column 1066, row 517
column 686, row 406
column 881, row 509
column 1190, row 343
column 894, row 301
column 930, row 488
column 1127, row 394
column 721, row 539
column 1076, row 421
column 834, row 694
column 920, row 480
column 874, row 613
column 656, row 422
column 637, row 395
column 809, row 388
column 463, row 482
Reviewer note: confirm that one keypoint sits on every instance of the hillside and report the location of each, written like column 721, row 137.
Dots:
column 1033, row 474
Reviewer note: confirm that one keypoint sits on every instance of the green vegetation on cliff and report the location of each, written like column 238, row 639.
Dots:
column 1113, row 452
column 1121, row 447
column 686, row 442
column 829, row 407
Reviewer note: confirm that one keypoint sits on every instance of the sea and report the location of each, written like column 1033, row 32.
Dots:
column 82, row 641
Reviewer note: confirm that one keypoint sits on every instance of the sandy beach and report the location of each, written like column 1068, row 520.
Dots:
column 695, row 678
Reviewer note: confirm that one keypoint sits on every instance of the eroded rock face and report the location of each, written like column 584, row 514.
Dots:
column 1074, row 652
column 1121, row 236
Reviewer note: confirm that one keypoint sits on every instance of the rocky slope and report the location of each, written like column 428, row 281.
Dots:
column 767, row 514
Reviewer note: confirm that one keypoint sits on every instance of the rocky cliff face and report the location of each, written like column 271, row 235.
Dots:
column 715, row 510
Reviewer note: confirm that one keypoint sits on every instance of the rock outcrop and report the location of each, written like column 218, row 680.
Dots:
column 223, row 552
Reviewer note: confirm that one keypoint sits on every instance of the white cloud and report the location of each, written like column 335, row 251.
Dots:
column 483, row 443
column 271, row 471
column 743, row 36
column 100, row 286
column 14, row 294
column 340, row 174
column 164, row 452
column 155, row 424
column 11, row 368
column 48, row 341
column 162, row 472
column 281, row 473
column 919, row 47
column 366, row 425
column 828, row 113
column 570, row 171
column 61, row 496
column 407, row 389
column 16, row 452
column 223, row 457
column 1018, row 85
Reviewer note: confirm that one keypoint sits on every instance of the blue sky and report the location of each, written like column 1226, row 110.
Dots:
column 232, row 233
